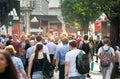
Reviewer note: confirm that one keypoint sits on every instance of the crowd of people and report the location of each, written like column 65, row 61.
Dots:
column 22, row 57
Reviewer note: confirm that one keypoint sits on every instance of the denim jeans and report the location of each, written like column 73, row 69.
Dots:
column 78, row 77
column 61, row 73
column 37, row 75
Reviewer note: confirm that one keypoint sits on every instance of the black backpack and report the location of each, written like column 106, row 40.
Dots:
column 86, row 47
column 82, row 63
column 48, row 68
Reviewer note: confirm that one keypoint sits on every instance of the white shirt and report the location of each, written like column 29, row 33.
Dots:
column 71, row 58
column 105, row 47
column 51, row 47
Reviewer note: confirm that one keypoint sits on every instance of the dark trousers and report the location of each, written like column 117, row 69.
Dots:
column 51, row 57
column 61, row 73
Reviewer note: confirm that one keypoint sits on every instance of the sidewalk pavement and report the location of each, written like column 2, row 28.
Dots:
column 95, row 74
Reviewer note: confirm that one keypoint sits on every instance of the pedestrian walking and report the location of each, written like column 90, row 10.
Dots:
column 86, row 46
column 36, row 63
column 106, row 53
column 117, row 52
column 16, row 44
column 70, row 63
column 52, row 48
column 60, row 57
column 99, row 43
column 7, row 68
column 17, row 62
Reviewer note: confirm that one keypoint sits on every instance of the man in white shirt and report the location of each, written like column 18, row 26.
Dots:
column 70, row 60
column 52, row 49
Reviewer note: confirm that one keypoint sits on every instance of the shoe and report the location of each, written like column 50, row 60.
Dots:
column 96, row 61
column 100, row 71
column 88, row 76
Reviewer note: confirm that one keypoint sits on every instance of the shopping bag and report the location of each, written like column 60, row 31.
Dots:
column 91, row 65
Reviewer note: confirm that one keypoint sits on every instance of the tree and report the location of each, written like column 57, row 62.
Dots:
column 112, row 10
column 83, row 11
column 80, row 12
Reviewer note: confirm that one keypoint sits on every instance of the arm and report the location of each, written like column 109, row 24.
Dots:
column 56, row 63
column 57, row 60
column 30, row 65
column 90, row 51
column 99, row 52
column 23, row 73
column 45, row 50
column 21, row 68
column 67, row 65
column 66, row 69
column 114, row 56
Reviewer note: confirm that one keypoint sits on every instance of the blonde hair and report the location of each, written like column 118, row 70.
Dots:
column 10, row 49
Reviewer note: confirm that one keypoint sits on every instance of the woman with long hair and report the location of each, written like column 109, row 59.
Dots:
column 7, row 68
column 17, row 62
column 36, row 63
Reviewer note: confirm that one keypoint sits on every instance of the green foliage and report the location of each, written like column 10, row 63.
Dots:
column 110, row 7
column 80, row 11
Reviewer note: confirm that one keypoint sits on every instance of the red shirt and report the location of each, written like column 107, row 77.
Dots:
column 17, row 46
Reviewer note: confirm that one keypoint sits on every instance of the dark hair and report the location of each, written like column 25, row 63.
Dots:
column 85, row 37
column 32, row 37
column 10, row 37
column 98, row 36
column 11, row 72
column 38, row 48
column 27, row 41
column 73, row 43
column 38, row 38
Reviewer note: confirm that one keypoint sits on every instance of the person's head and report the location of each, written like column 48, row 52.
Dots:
column 72, row 45
column 32, row 37
column 38, row 49
column 7, row 66
column 10, row 49
column 38, row 38
column 10, row 37
column 27, row 41
column 98, row 37
column 91, row 39
column 56, row 40
column 32, row 42
column 85, row 37
column 15, row 37
column 23, row 37
column 51, row 39
column 64, row 40
column 116, row 48
column 106, row 41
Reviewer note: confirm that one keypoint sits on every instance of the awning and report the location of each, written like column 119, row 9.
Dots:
column 47, row 18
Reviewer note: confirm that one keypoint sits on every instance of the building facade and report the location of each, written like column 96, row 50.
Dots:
column 40, row 7
column 32, row 7
column 40, row 16
column 55, row 9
